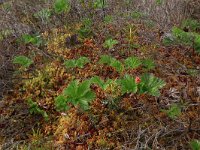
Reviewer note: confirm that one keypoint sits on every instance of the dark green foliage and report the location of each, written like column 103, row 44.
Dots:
column 132, row 62
column 61, row 103
column 105, row 59
column 159, row 2
column 184, row 38
column 117, row 65
column 150, row 85
column 78, row 94
column 148, row 64
column 128, row 84
column 70, row 63
column 82, row 61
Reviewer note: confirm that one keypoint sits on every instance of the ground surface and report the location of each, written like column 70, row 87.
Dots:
column 131, row 121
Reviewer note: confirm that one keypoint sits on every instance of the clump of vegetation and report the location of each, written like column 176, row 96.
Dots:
column 132, row 62
column 24, row 61
column 108, row 60
column 76, row 63
column 35, row 109
column 78, row 94
column 109, row 43
column 119, row 88
column 61, row 6
column 174, row 111
column 180, row 36
column 32, row 39
column 195, row 144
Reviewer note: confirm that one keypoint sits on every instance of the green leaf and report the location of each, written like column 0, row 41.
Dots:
column 110, row 43
column 27, row 38
column 104, row 85
column 33, row 39
column 83, row 88
column 23, row 61
column 79, row 93
column 195, row 144
column 97, row 80
column 70, row 63
column 117, row 65
column 128, row 84
column 34, row 109
column 183, row 37
column 105, row 59
column 150, row 85
column 61, row 6
column 72, row 89
column 174, row 111
column 132, row 62
column 87, row 22
column 148, row 64
column 82, row 61
column 61, row 103
column 43, row 14
column 76, row 63
column 86, row 99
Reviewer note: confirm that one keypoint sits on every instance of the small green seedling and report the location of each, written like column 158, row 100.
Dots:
column 174, row 111
column 43, row 15
column 34, row 109
column 110, row 43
